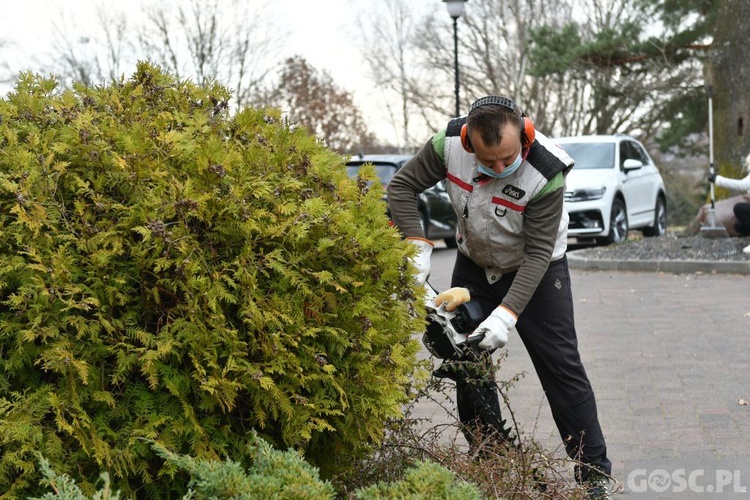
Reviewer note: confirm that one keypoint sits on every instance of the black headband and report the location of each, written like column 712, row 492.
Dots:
column 493, row 100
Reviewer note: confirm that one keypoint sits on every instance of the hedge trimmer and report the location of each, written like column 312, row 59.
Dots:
column 447, row 334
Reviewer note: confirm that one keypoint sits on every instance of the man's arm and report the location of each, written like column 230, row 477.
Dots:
column 422, row 171
column 733, row 184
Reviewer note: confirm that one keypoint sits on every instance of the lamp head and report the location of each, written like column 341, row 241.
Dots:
column 455, row 7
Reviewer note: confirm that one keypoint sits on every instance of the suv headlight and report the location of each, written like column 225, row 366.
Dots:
column 586, row 194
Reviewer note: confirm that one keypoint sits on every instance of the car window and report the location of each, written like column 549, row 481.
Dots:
column 639, row 153
column 626, row 152
column 630, row 150
column 591, row 154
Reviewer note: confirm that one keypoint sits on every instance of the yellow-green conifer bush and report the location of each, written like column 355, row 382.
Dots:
column 173, row 272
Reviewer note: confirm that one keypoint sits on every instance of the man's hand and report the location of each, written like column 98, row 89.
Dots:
column 712, row 177
column 422, row 260
column 452, row 298
column 495, row 328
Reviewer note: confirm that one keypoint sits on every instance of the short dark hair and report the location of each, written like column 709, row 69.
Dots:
column 490, row 121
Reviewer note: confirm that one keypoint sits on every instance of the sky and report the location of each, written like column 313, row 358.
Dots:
column 321, row 32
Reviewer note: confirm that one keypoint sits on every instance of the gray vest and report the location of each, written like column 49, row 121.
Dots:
column 491, row 211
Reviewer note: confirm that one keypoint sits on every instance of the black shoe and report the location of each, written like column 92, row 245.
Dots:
column 597, row 487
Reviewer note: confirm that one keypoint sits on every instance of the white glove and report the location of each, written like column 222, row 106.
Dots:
column 495, row 328
column 422, row 260
column 452, row 298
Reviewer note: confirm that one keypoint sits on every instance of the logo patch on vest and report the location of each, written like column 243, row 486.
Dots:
column 514, row 192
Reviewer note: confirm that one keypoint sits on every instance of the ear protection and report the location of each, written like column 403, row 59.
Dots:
column 527, row 126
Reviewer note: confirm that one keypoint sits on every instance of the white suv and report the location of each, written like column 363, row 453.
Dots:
column 614, row 187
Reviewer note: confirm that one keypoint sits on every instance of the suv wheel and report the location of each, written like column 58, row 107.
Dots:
column 660, row 220
column 618, row 224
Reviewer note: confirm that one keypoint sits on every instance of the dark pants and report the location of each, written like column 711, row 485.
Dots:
column 547, row 329
column 742, row 214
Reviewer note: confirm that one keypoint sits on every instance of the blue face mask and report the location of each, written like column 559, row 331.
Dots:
column 508, row 170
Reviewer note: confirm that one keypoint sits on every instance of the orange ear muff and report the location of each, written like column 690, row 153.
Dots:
column 528, row 133
column 465, row 141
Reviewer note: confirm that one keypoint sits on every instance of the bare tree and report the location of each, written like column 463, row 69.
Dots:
column 94, row 52
column 204, row 40
column 5, row 71
column 386, row 32
column 213, row 40
column 414, row 59
column 310, row 98
column 497, row 46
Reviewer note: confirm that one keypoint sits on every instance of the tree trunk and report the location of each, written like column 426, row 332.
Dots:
column 728, row 72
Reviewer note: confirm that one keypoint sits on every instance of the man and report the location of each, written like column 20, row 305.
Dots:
column 741, row 210
column 506, row 183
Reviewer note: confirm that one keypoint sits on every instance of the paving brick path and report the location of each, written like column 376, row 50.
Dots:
column 669, row 358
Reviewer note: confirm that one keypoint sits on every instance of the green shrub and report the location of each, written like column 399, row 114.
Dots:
column 173, row 273
column 425, row 481
column 274, row 474
column 65, row 488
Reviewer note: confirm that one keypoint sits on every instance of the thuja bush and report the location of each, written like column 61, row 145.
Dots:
column 273, row 474
column 424, row 480
column 172, row 272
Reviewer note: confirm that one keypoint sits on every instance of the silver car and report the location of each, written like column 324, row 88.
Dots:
column 613, row 188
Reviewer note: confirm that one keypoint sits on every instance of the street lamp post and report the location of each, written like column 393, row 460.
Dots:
column 455, row 9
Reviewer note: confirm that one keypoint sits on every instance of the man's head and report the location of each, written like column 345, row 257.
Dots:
column 496, row 132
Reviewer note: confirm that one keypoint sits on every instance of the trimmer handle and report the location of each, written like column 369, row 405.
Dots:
column 475, row 339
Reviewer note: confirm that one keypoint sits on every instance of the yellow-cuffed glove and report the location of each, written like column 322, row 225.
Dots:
column 422, row 260
column 452, row 298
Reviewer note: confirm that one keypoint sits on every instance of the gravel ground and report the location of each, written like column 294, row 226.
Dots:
column 671, row 247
